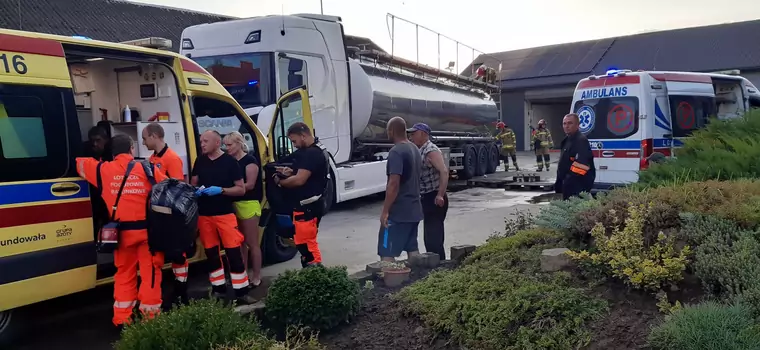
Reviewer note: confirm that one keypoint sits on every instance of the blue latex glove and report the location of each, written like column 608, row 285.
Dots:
column 212, row 191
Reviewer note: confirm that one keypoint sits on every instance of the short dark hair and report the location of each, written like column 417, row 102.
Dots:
column 97, row 131
column 574, row 116
column 299, row 128
column 121, row 144
column 155, row 129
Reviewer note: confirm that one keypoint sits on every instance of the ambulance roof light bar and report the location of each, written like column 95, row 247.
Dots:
column 152, row 43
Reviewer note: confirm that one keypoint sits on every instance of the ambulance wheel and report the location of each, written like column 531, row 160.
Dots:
column 469, row 161
column 10, row 327
column 482, row 165
column 493, row 158
column 275, row 248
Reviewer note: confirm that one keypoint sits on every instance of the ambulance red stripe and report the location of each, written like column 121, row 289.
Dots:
column 35, row 46
column 608, row 81
column 618, row 153
column 38, row 214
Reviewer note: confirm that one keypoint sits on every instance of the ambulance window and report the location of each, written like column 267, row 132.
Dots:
column 33, row 139
column 212, row 114
column 689, row 113
column 608, row 118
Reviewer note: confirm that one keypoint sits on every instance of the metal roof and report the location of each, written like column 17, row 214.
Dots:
column 698, row 49
column 107, row 20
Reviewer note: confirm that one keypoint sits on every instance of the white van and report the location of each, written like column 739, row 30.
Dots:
column 628, row 116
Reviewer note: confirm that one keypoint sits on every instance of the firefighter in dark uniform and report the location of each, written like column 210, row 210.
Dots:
column 575, row 171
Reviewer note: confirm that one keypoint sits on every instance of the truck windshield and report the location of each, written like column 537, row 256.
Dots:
column 247, row 76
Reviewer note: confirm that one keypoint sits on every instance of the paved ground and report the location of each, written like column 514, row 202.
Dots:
column 348, row 236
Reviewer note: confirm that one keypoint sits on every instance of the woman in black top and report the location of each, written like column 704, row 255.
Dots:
column 248, row 207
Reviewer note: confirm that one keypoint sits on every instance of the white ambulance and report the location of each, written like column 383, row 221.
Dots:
column 628, row 116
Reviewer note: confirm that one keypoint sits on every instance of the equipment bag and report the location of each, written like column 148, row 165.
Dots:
column 108, row 236
column 172, row 217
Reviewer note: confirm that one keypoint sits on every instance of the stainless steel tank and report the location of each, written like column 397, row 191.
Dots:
column 378, row 95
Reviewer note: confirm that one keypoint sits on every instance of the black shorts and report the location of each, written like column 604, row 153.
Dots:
column 396, row 238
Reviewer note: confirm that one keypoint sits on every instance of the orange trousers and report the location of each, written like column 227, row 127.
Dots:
column 223, row 230
column 305, row 238
column 133, row 253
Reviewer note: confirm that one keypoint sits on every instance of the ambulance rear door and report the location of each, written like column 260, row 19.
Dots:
column 46, row 229
column 691, row 102
column 609, row 111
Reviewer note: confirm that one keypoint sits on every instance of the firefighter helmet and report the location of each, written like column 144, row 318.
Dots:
column 542, row 122
column 500, row 125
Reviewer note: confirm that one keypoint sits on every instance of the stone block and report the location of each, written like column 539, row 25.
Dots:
column 555, row 259
column 257, row 309
column 374, row 268
column 363, row 276
column 459, row 252
column 430, row 260
column 417, row 261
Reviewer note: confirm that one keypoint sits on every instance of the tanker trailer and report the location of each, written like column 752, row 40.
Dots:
column 353, row 90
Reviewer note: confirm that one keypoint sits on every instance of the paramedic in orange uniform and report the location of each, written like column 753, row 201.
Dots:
column 308, row 180
column 132, row 252
column 219, row 175
column 167, row 160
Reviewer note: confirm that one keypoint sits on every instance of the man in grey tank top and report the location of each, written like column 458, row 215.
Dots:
column 402, row 209
column 434, row 179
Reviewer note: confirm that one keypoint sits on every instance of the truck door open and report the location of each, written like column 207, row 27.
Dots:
column 292, row 107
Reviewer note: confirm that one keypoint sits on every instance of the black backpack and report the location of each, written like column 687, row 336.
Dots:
column 172, row 215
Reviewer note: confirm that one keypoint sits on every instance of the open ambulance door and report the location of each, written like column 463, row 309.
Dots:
column 292, row 107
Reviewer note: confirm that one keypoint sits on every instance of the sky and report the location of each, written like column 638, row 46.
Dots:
column 490, row 25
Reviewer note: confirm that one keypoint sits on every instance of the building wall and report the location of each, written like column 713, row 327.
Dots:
column 514, row 115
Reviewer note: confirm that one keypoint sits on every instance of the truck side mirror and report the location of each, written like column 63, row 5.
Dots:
column 295, row 65
column 294, row 81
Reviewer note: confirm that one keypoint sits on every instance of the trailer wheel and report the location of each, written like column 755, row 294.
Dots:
column 469, row 161
column 482, row 166
column 493, row 158
column 329, row 195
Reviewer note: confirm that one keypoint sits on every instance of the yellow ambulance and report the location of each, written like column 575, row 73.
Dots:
column 53, row 90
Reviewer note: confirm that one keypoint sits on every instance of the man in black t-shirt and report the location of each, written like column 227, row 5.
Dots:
column 307, row 179
column 220, row 180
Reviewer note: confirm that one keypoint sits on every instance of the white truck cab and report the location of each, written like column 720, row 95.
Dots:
column 628, row 116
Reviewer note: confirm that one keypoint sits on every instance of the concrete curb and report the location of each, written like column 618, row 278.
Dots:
column 373, row 272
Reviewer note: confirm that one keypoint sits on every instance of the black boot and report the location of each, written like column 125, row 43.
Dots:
column 180, row 293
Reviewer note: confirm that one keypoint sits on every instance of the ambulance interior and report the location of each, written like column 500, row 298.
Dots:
column 122, row 97
column 729, row 98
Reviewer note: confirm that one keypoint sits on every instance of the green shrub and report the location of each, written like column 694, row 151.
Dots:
column 489, row 303
column 319, row 298
column 201, row 325
column 562, row 215
column 723, row 150
column 697, row 227
column 295, row 339
column 508, row 252
column 494, row 308
column 707, row 326
column 523, row 220
column 624, row 254
column 728, row 263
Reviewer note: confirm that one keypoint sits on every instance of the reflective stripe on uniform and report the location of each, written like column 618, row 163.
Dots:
column 579, row 168
column 150, row 307
column 124, row 304
column 179, row 270
column 239, row 280
column 217, row 277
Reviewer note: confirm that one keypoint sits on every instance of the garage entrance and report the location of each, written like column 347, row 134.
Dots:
column 550, row 105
